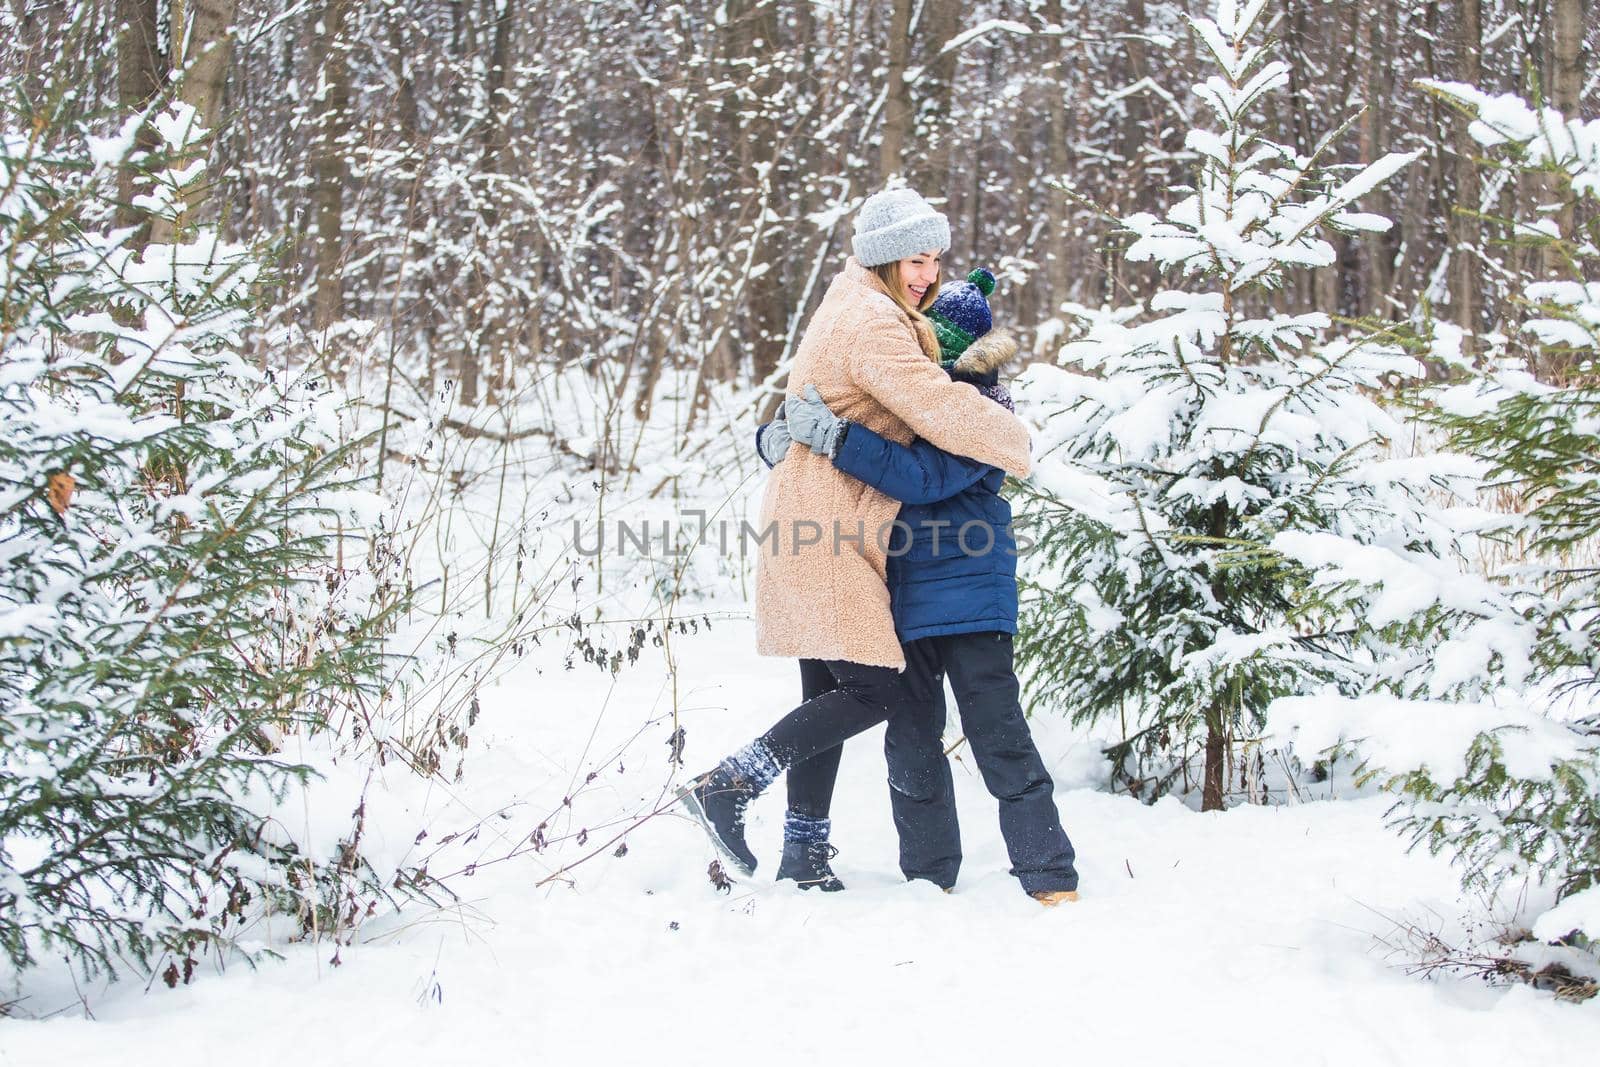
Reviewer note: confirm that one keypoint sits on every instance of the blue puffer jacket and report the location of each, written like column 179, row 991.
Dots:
column 952, row 564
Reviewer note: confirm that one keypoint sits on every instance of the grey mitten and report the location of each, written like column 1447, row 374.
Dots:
column 812, row 424
column 773, row 441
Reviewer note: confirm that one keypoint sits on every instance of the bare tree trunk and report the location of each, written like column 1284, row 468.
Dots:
column 1215, row 783
column 141, row 72
column 1376, row 253
column 205, row 69
column 1137, row 132
column 972, row 234
column 484, row 337
column 1464, row 225
column 1566, row 72
column 494, row 136
column 1221, row 525
column 209, row 53
column 1566, row 91
column 329, row 170
column 1319, row 288
column 1058, row 134
column 405, row 104
column 767, row 298
column 898, row 112
column 927, row 166
column 655, row 343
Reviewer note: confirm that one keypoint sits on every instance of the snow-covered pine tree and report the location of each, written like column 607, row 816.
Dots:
column 1213, row 505
column 167, row 516
column 1540, row 437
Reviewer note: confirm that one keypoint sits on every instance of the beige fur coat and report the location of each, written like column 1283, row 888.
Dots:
column 820, row 584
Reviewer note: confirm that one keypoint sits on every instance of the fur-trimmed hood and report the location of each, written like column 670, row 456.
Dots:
column 988, row 354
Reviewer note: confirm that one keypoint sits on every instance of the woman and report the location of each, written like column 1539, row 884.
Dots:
column 821, row 593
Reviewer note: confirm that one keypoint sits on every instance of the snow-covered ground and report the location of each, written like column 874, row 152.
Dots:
column 1220, row 938
column 1217, row 938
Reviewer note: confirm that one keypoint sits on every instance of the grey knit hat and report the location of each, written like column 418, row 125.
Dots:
column 896, row 224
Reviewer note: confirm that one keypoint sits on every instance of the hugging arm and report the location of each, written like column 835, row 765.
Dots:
column 917, row 473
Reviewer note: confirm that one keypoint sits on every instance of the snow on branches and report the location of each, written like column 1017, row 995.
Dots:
column 168, row 512
column 1526, row 803
column 1232, row 530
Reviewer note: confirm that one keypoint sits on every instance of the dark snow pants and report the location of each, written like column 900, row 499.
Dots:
column 920, row 786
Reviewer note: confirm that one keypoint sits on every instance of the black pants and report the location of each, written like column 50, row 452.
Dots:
column 986, row 689
column 841, row 700
column 811, row 780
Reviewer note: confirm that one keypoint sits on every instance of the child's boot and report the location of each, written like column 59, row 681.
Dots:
column 1052, row 897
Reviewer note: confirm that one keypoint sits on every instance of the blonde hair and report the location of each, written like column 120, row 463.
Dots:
column 889, row 274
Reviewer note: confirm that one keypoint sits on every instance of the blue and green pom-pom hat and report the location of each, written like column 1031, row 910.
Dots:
column 960, row 315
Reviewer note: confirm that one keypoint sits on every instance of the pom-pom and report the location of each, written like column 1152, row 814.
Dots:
column 983, row 280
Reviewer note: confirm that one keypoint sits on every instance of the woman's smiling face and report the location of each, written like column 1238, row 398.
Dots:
column 917, row 275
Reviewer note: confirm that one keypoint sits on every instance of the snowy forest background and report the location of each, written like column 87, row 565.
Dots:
column 336, row 334
column 677, row 177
